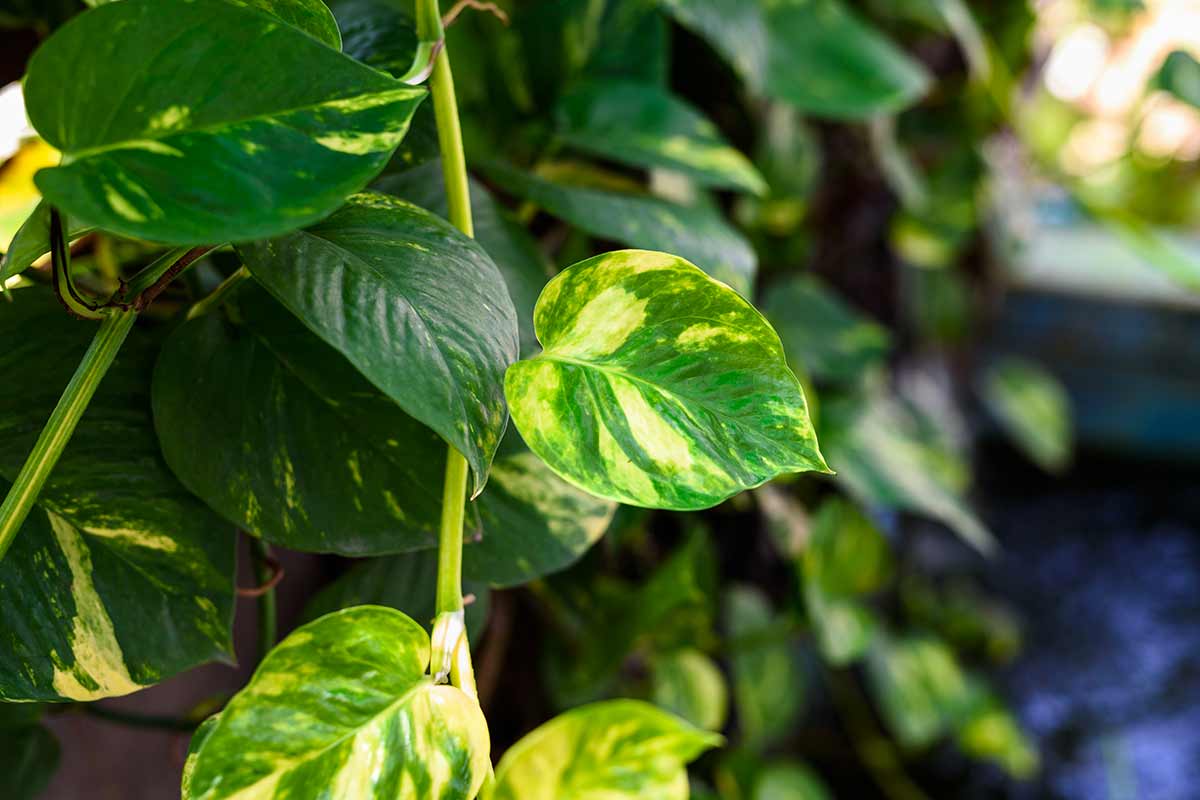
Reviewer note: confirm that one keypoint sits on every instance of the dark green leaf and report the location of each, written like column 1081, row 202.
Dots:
column 377, row 33
column 121, row 578
column 646, row 126
column 658, row 386
column 311, row 16
column 279, row 433
column 343, row 708
column 524, row 267
column 822, row 336
column 698, row 233
column 284, row 129
column 406, row 583
column 814, row 54
column 617, row 750
column 416, row 306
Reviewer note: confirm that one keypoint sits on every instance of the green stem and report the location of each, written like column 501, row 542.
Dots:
column 150, row 275
column 218, row 295
column 57, row 433
column 449, row 658
column 268, row 620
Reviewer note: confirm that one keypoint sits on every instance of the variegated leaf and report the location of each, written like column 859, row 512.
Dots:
column 420, row 309
column 311, row 16
column 342, row 708
column 605, row 751
column 658, row 386
column 120, row 578
column 285, row 127
column 647, row 126
column 279, row 433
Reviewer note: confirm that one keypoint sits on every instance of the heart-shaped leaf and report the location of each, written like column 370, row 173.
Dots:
column 604, row 751
column 658, row 386
column 646, row 126
column 814, row 54
column 343, row 708
column 279, row 433
column 120, row 578
column 418, row 307
column 699, row 232
column 284, row 129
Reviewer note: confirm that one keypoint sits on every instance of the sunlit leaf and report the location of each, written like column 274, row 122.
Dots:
column 658, row 386
column 814, row 54
column 285, row 128
column 343, row 708
column 645, row 126
column 698, row 233
column 606, row 751
column 119, row 578
column 689, row 684
column 1033, row 408
column 420, row 309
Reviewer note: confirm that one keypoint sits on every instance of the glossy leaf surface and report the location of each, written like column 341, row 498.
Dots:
column 522, row 264
column 646, row 126
column 605, row 751
column 343, row 708
column 420, row 309
column 813, row 54
column 698, row 233
column 119, row 578
column 658, row 386
column 149, row 155
column 1033, row 408
column 690, row 685
column 279, row 433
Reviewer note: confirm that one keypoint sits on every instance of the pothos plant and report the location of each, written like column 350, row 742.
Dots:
column 363, row 319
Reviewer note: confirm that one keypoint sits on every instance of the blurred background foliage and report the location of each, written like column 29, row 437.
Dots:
column 974, row 226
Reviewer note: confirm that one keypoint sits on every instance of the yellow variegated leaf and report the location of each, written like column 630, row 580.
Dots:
column 342, row 708
column 658, row 386
column 615, row 750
